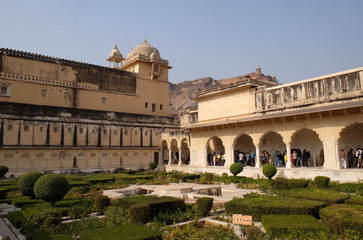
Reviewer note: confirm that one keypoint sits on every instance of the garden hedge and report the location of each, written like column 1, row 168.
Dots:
column 358, row 200
column 204, row 205
column 157, row 204
column 25, row 200
column 283, row 184
column 139, row 213
column 26, row 183
column 328, row 196
column 3, row 170
column 356, row 188
column 101, row 202
column 341, row 217
column 273, row 205
column 278, row 226
column 153, row 165
column 124, row 232
column 322, row 181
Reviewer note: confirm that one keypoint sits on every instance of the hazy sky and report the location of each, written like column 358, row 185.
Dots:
column 293, row 40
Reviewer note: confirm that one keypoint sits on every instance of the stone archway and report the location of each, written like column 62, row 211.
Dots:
column 185, row 151
column 215, row 147
column 164, row 152
column 271, row 142
column 307, row 139
column 244, row 144
column 351, row 137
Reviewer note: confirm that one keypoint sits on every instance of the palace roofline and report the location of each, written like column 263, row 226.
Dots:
column 44, row 58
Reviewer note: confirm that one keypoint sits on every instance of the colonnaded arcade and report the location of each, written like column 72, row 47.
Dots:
column 322, row 115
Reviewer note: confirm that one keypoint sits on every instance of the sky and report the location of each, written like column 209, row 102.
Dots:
column 292, row 40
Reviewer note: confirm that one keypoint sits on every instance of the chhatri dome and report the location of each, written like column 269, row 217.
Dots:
column 145, row 53
column 115, row 57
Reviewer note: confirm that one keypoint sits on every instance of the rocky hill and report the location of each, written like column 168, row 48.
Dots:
column 181, row 94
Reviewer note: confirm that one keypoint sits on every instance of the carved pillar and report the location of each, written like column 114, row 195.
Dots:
column 169, row 162
column 161, row 157
column 180, row 158
column 288, row 152
column 257, row 158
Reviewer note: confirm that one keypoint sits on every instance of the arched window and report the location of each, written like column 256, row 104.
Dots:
column 4, row 89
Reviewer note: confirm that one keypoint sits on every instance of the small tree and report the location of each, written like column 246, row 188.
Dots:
column 236, row 168
column 3, row 170
column 139, row 213
column 153, row 166
column 26, row 183
column 51, row 188
column 269, row 170
column 101, row 202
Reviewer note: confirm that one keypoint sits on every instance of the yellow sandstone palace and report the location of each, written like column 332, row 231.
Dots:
column 58, row 115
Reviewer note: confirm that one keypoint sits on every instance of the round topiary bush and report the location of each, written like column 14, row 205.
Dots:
column 139, row 213
column 204, row 205
column 207, row 177
column 51, row 187
column 236, row 168
column 269, row 170
column 3, row 170
column 321, row 181
column 153, row 165
column 101, row 202
column 26, row 183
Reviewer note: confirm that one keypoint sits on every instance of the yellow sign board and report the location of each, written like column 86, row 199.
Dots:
column 242, row 219
column 237, row 218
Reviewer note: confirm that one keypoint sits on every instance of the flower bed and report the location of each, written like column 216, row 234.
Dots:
column 157, row 204
column 278, row 226
column 124, row 232
column 328, row 196
column 342, row 217
column 273, row 205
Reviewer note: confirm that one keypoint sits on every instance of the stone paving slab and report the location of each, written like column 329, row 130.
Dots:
column 5, row 231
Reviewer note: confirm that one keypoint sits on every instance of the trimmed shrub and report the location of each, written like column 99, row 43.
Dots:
column 269, row 170
column 204, row 205
column 116, row 216
column 51, row 188
column 44, row 236
column 3, row 193
column 207, row 177
column 341, row 217
column 101, row 202
column 328, row 196
column 236, row 168
column 16, row 218
column 283, row 184
column 124, row 232
column 139, row 213
column 358, row 200
column 153, row 165
column 26, row 183
column 21, row 201
column 254, row 233
column 356, row 188
column 322, row 181
column 3, row 170
column 273, row 205
column 278, row 226
column 188, row 176
column 157, row 204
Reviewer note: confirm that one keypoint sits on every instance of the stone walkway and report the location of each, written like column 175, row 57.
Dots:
column 6, row 228
column 182, row 190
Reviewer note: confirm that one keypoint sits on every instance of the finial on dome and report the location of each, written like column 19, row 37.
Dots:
column 116, row 46
column 145, row 41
